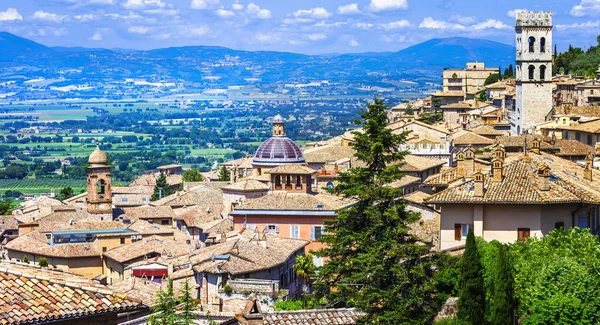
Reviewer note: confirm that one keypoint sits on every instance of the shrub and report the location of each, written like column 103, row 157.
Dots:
column 43, row 262
column 228, row 289
column 451, row 321
column 25, row 259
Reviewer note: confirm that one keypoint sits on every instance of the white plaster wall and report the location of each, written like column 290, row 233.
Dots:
column 501, row 222
column 452, row 214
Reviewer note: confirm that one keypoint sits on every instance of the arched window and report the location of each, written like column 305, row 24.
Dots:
column 532, row 44
column 543, row 44
column 531, row 72
column 101, row 186
column 543, row 72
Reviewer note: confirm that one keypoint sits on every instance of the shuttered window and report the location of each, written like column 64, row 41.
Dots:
column 295, row 231
column 316, row 232
column 523, row 233
column 457, row 231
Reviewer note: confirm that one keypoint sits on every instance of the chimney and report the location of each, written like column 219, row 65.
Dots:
column 589, row 165
column 498, row 152
column 497, row 170
column 469, row 162
column 543, row 177
column 478, row 176
column 535, row 146
column 460, row 164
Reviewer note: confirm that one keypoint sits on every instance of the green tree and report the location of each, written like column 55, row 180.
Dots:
column 163, row 312
column 493, row 78
column 6, row 207
column 410, row 111
column 503, row 291
column 224, row 174
column 162, row 188
column 305, row 269
column 25, row 259
column 482, row 96
column 471, row 304
column 43, row 262
column 188, row 305
column 65, row 193
column 375, row 263
column 192, row 175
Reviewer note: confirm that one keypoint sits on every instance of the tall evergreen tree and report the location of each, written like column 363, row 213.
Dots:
column 500, row 75
column 162, row 188
column 503, row 291
column 224, row 174
column 188, row 305
column 375, row 263
column 163, row 312
column 471, row 305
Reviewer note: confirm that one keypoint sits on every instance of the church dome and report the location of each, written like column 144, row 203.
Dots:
column 98, row 157
column 278, row 151
column 278, row 119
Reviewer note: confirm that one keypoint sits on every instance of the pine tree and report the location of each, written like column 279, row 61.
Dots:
column 162, row 188
column 375, row 263
column 188, row 305
column 500, row 75
column 471, row 304
column 224, row 174
column 163, row 312
column 503, row 291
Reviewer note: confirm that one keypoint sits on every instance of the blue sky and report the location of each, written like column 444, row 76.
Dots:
column 304, row 26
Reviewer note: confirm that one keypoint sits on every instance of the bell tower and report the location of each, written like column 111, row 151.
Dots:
column 99, row 187
column 278, row 126
column 534, row 70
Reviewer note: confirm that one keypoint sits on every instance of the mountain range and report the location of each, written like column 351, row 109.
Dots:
column 20, row 56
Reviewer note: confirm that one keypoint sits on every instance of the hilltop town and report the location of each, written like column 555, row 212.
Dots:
column 505, row 161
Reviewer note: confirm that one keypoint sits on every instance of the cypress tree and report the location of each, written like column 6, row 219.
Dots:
column 162, row 188
column 503, row 291
column 375, row 263
column 471, row 304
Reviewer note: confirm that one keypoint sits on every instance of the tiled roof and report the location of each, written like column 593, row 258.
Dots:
column 149, row 212
column 347, row 316
column 443, row 179
column 589, row 127
column 487, row 130
column 461, row 105
column 247, row 185
column 245, row 162
column 573, row 148
column 448, row 94
column 416, row 197
column 281, row 200
column 414, row 163
column 404, row 181
column 328, row 154
column 292, row 169
column 146, row 228
column 150, row 179
column 138, row 189
column 246, row 253
column 37, row 243
column 199, row 215
column 8, row 223
column 32, row 296
column 154, row 244
column 519, row 184
column 470, row 138
column 195, row 196
column 519, row 141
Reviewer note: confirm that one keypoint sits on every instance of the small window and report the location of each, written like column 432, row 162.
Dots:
column 251, row 226
column 272, row 228
column 101, row 186
column 531, row 72
column 164, row 222
column 559, row 225
column 122, row 240
column 542, row 44
column 295, row 231
column 464, row 230
column 582, row 221
column 103, row 249
column 532, row 44
column 316, row 232
column 543, row 72
column 523, row 233
column 124, row 199
column 144, row 199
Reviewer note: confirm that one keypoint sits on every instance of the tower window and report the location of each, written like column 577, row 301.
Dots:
column 532, row 44
column 543, row 44
column 531, row 72
column 543, row 72
column 101, row 186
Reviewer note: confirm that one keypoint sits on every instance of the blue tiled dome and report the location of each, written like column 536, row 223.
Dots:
column 278, row 150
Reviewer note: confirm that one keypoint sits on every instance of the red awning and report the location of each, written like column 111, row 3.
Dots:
column 150, row 273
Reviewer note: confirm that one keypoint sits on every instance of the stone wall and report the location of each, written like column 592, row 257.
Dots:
column 254, row 285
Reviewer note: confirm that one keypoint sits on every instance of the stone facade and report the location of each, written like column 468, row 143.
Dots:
column 254, row 286
column 534, row 70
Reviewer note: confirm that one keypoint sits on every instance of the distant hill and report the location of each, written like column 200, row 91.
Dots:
column 194, row 63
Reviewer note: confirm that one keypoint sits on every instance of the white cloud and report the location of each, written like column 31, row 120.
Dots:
column 225, row 13
column 491, row 23
column 85, row 17
column 586, row 8
column 584, row 26
column 202, row 4
column 97, row 36
column 396, row 25
column 237, row 6
column 513, row 13
column 324, row 25
column 365, row 26
column 46, row 16
column 294, row 21
column 350, row 9
column 162, row 12
column 161, row 36
column 140, row 4
column 316, row 37
column 431, row 23
column 462, row 19
column 267, row 38
column 138, row 30
column 353, row 43
column 195, row 31
column 257, row 12
column 101, row 2
column 10, row 14
column 130, row 16
column 387, row 5
column 317, row 13
column 49, row 31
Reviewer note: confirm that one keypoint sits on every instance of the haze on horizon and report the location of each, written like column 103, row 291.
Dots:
column 309, row 26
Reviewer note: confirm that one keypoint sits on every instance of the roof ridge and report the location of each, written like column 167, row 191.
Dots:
column 309, row 311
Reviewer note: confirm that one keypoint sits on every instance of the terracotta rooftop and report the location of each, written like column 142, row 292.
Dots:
column 414, row 163
column 417, row 197
column 442, row 179
column 519, row 141
column 347, row 316
column 150, row 179
column 245, row 253
column 37, row 243
column 146, row 246
column 195, row 196
column 282, row 200
column 461, row 105
column 245, row 162
column 404, row 181
column 148, row 212
column 588, row 127
column 247, row 185
column 448, row 94
column 487, row 130
column 328, row 154
column 8, row 223
column 470, row 138
column 292, row 169
column 573, row 148
column 519, row 184
column 200, row 215
column 31, row 296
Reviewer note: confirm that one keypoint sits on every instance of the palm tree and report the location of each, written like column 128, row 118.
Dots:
column 305, row 269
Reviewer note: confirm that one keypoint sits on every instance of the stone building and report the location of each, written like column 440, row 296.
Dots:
column 468, row 79
column 99, row 186
column 534, row 70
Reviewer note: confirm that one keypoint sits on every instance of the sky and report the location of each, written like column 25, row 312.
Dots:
column 302, row 26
